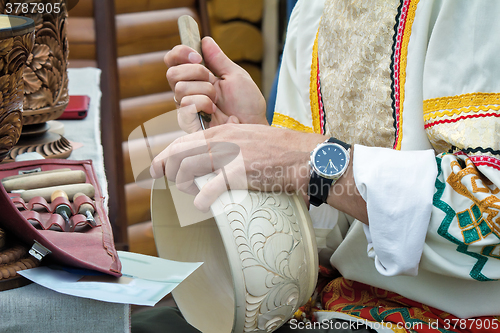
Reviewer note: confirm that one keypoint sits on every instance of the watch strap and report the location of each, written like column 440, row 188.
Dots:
column 342, row 143
column 318, row 190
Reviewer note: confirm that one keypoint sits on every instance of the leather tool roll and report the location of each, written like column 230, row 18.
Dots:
column 83, row 244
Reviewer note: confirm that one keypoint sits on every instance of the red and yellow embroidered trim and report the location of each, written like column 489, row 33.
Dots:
column 313, row 88
column 280, row 120
column 460, row 101
column 471, row 116
column 400, row 61
column 456, row 108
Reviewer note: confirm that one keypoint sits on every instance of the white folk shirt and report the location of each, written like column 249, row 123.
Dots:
column 415, row 86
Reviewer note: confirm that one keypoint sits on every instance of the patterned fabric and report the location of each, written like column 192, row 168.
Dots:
column 395, row 311
column 414, row 90
column 463, row 121
column 469, row 203
column 355, row 41
column 317, row 107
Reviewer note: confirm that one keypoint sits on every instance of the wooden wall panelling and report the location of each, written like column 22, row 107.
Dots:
column 226, row 10
column 236, row 27
column 82, row 38
column 136, row 6
column 142, row 74
column 136, row 111
column 271, row 48
column 144, row 32
column 84, row 8
column 239, row 40
column 157, row 144
column 138, row 207
column 254, row 70
column 142, row 238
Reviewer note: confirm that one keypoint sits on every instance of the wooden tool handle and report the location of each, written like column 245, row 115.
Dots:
column 57, row 194
column 84, row 207
column 190, row 35
column 35, row 173
column 70, row 190
column 32, row 181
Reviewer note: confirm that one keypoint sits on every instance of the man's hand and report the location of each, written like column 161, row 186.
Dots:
column 222, row 88
column 256, row 157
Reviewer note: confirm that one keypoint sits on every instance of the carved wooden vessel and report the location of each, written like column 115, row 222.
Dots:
column 259, row 253
column 13, row 258
column 16, row 43
column 45, row 75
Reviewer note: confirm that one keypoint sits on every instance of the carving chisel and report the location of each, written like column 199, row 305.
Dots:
column 70, row 190
column 26, row 173
column 86, row 209
column 190, row 36
column 62, row 209
column 37, row 180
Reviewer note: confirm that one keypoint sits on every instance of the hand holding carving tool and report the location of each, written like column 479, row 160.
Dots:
column 62, row 209
column 87, row 210
column 190, row 36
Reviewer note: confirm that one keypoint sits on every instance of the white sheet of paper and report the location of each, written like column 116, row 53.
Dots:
column 145, row 281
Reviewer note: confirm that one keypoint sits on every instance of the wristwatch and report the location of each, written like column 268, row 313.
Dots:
column 329, row 161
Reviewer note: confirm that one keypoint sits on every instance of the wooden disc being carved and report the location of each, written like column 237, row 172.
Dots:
column 259, row 254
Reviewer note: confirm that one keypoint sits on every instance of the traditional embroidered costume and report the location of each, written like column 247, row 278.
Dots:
column 415, row 86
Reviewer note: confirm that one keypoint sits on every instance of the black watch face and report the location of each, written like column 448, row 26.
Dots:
column 330, row 160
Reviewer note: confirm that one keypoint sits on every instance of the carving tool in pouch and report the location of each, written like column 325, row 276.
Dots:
column 190, row 36
column 62, row 209
column 70, row 190
column 37, row 180
column 87, row 210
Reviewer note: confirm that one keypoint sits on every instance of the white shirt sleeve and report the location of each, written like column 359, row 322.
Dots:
column 398, row 187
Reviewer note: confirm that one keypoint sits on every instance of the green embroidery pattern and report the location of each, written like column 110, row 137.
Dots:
column 403, row 312
column 473, row 228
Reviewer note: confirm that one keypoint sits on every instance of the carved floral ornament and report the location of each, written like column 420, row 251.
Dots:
column 259, row 253
column 45, row 75
column 14, row 53
column 275, row 258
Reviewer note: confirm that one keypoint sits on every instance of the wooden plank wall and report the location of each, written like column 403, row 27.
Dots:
column 236, row 27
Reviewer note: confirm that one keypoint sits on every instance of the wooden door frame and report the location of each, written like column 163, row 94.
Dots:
column 111, row 124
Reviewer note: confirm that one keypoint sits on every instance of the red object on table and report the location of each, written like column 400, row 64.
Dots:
column 77, row 108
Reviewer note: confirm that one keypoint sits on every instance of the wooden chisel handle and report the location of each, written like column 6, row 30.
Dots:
column 44, row 180
column 70, row 190
column 190, row 36
column 35, row 173
column 87, row 210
